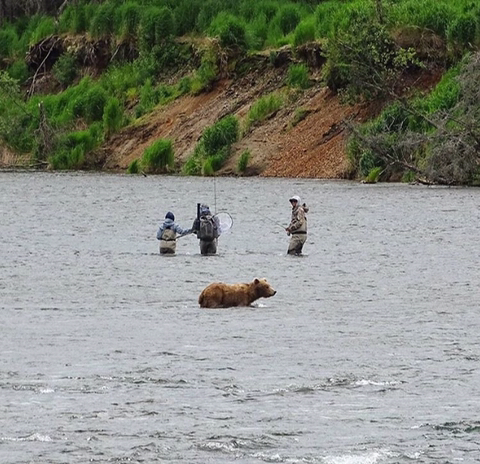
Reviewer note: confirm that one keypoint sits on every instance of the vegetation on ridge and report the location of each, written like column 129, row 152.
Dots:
column 114, row 61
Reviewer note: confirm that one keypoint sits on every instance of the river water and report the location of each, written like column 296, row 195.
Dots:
column 369, row 352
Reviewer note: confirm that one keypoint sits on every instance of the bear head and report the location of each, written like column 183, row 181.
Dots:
column 263, row 288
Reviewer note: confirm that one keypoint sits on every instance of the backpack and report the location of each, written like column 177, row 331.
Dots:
column 169, row 235
column 208, row 229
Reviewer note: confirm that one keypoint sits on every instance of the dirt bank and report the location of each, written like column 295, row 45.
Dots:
column 313, row 147
column 305, row 138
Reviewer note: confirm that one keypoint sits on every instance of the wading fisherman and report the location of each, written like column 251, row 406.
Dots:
column 167, row 234
column 207, row 229
column 297, row 229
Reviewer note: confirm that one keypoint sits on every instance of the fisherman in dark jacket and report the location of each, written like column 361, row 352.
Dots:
column 167, row 234
column 207, row 229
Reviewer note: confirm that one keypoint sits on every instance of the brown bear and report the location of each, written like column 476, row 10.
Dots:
column 221, row 295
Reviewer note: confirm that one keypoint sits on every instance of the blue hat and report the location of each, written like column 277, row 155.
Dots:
column 204, row 209
column 170, row 215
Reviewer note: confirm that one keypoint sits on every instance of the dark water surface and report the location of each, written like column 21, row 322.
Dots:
column 368, row 353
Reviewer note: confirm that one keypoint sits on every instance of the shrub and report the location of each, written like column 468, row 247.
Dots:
column 193, row 165
column 214, row 147
column 304, row 32
column 58, row 161
column 462, row 31
column 297, row 76
column 354, row 152
column 184, row 85
column 80, row 22
column 156, row 26
column 148, row 98
column 408, row 177
column 373, row 175
column 96, row 131
column 435, row 16
column 77, row 106
column 230, row 30
column 323, row 17
column 65, row 69
column 130, row 14
column 65, row 21
column 219, row 158
column 275, row 36
column 223, row 133
column 83, row 139
column 71, row 150
column 208, row 11
column 68, row 159
column 8, row 39
column 365, row 60
column 134, row 167
column 299, row 115
column 207, row 168
column 185, row 16
column 45, row 27
column 393, row 118
column 19, row 71
column 206, row 74
column 95, row 101
column 268, row 8
column 15, row 117
column 112, row 116
column 165, row 24
column 165, row 93
column 147, row 28
column 257, row 32
column 166, row 55
column 368, row 161
column 158, row 157
column 102, row 23
column 263, row 108
column 243, row 162
column 288, row 18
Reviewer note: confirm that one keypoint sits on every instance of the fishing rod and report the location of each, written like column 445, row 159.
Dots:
column 215, row 192
column 275, row 222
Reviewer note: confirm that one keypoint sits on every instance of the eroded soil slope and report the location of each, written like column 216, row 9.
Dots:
column 312, row 148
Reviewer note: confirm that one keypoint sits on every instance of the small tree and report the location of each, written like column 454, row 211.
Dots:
column 365, row 61
column 444, row 148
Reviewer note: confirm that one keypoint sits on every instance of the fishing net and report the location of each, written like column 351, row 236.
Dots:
column 225, row 221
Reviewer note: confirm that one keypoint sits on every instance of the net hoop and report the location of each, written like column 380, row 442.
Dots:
column 225, row 221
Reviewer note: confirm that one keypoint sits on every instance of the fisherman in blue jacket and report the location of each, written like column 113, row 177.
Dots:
column 167, row 234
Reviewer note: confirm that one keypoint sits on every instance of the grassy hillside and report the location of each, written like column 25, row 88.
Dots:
column 69, row 83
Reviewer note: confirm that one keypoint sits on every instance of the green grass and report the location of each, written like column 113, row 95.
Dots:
column 373, row 175
column 213, row 149
column 242, row 162
column 262, row 109
column 159, row 157
column 297, row 76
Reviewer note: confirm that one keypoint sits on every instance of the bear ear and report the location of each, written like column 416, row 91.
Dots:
column 256, row 281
